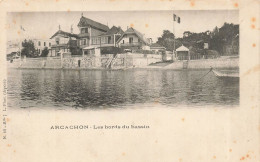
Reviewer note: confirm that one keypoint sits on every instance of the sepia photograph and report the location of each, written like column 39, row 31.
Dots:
column 129, row 81
column 108, row 59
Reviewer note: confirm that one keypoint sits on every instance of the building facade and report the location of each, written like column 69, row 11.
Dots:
column 134, row 40
column 93, row 35
column 40, row 44
column 88, row 38
column 63, row 42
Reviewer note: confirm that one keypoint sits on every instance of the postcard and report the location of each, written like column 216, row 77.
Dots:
column 130, row 81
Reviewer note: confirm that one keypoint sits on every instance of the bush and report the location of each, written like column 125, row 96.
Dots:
column 45, row 52
column 28, row 49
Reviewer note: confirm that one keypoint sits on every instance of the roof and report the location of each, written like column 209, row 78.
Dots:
column 182, row 48
column 114, row 30
column 86, row 21
column 65, row 34
column 137, row 33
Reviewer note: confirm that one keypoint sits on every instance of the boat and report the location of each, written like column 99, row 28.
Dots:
column 225, row 75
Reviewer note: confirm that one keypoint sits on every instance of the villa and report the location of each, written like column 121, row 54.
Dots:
column 133, row 39
column 95, row 35
column 63, row 42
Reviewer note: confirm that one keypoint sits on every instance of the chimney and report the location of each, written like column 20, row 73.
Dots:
column 71, row 29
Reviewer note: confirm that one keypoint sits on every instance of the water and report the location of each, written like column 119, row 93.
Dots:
column 97, row 89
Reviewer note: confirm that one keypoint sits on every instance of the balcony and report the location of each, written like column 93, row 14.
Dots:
column 83, row 35
column 59, row 45
column 133, row 44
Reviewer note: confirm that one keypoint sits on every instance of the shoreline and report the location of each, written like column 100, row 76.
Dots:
column 220, row 63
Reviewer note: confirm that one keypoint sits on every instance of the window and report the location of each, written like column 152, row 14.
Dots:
column 131, row 40
column 44, row 44
column 123, row 42
column 49, row 44
column 109, row 40
column 84, row 41
column 39, row 43
column 84, row 30
column 104, row 40
column 57, row 39
column 96, row 40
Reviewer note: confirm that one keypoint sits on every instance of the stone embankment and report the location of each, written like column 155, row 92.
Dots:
column 121, row 61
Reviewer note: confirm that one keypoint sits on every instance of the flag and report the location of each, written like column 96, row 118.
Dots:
column 22, row 28
column 176, row 18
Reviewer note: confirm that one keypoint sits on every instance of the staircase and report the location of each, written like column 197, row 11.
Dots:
column 111, row 62
column 108, row 62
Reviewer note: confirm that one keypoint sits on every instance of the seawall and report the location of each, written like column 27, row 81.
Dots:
column 120, row 62
column 205, row 64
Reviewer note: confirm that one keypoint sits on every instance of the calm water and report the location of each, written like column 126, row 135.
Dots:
column 118, row 89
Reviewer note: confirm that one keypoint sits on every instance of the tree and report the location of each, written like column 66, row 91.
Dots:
column 166, row 40
column 45, row 52
column 28, row 49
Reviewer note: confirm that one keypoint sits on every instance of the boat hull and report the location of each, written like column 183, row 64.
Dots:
column 226, row 76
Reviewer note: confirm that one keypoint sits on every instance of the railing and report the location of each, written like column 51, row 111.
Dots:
column 195, row 57
column 131, row 44
column 83, row 35
column 60, row 45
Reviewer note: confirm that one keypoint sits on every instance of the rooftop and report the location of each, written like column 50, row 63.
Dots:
column 65, row 34
column 88, row 22
column 137, row 33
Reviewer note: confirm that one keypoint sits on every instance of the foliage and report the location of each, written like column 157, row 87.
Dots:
column 217, row 39
column 167, row 40
column 28, row 49
column 45, row 52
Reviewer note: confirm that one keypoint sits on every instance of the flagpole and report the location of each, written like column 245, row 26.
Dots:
column 173, row 41
column 20, row 42
column 173, row 30
column 20, row 51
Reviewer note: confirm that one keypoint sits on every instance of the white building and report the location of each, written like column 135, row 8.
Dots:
column 40, row 44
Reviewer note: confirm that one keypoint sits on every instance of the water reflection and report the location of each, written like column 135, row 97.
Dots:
column 100, row 88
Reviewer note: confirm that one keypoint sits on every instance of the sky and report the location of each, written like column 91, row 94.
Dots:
column 42, row 25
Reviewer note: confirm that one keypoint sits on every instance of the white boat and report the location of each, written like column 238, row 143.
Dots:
column 224, row 75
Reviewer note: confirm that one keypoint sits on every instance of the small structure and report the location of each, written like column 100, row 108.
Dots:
column 183, row 53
